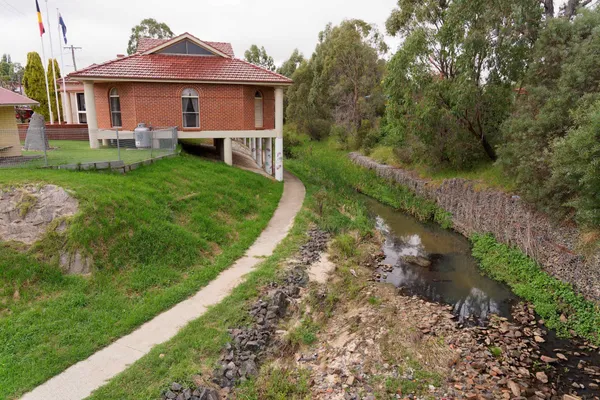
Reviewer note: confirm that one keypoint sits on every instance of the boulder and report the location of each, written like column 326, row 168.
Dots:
column 35, row 139
column 417, row 260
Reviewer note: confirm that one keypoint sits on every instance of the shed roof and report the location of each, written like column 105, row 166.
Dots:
column 10, row 98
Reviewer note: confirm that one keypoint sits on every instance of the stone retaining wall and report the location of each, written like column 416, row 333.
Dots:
column 509, row 219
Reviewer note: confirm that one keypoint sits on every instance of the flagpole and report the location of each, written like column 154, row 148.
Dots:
column 56, row 93
column 62, row 67
column 46, row 79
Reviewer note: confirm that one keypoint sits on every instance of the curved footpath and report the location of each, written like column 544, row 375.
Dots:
column 80, row 380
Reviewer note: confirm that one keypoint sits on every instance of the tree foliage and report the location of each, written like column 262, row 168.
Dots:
column 549, row 140
column 150, row 28
column 54, row 94
column 34, row 83
column 291, row 64
column 450, row 85
column 11, row 73
column 259, row 56
column 340, row 84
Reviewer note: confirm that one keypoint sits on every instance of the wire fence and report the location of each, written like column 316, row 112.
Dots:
column 47, row 147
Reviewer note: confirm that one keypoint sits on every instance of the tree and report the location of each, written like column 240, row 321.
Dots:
column 557, row 109
column 11, row 73
column 259, row 57
column 53, row 94
column 451, row 84
column 149, row 28
column 291, row 64
column 35, row 85
column 341, row 82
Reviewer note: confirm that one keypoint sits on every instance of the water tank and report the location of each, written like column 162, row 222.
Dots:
column 143, row 136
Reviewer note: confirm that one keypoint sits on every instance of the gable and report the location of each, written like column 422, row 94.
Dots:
column 186, row 47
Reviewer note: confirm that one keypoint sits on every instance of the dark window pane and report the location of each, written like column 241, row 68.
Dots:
column 80, row 102
column 190, row 105
column 116, row 119
column 115, row 104
column 82, row 118
column 190, row 120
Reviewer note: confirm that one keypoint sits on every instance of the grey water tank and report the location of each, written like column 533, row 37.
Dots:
column 143, row 136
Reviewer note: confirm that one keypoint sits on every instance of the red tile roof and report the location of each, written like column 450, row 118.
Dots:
column 181, row 68
column 9, row 98
column 145, row 44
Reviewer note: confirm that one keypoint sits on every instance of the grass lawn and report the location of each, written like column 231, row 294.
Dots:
column 156, row 235
column 73, row 152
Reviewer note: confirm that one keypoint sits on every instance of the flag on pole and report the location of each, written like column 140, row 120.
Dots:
column 61, row 22
column 39, row 15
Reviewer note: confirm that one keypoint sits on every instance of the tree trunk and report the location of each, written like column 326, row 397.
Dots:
column 489, row 149
column 569, row 10
column 548, row 8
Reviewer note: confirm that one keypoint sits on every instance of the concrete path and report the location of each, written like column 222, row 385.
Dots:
column 80, row 380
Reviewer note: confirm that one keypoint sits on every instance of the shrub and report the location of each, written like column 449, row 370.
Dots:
column 318, row 128
column 292, row 138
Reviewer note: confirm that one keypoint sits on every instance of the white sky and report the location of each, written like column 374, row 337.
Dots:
column 102, row 28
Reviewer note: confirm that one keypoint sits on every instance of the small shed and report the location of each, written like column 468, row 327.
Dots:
column 10, row 145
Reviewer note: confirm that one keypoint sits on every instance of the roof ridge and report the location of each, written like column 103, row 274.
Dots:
column 102, row 64
column 262, row 68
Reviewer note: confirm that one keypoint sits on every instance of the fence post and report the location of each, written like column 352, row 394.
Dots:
column 118, row 145
column 151, row 144
column 174, row 140
column 46, row 144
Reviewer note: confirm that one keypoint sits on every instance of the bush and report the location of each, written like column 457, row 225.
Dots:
column 292, row 138
column 318, row 128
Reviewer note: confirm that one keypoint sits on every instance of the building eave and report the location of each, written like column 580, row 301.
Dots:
column 221, row 82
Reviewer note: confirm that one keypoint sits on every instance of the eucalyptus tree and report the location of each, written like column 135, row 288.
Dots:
column 451, row 84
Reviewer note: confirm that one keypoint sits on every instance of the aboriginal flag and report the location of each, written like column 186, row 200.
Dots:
column 39, row 15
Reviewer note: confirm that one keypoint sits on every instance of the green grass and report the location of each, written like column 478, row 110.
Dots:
column 74, row 152
column 485, row 174
column 197, row 347
column 157, row 235
column 551, row 297
column 331, row 169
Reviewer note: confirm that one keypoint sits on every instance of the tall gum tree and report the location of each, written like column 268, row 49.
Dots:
column 452, row 80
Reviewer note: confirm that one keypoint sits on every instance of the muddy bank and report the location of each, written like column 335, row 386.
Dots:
column 509, row 219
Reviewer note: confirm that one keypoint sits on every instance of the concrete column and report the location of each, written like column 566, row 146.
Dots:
column 269, row 156
column 90, row 110
column 253, row 148
column 259, row 152
column 67, row 110
column 279, row 133
column 228, row 152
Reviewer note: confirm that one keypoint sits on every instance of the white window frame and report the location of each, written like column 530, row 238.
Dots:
column 259, row 96
column 190, row 93
column 112, row 94
column 78, row 108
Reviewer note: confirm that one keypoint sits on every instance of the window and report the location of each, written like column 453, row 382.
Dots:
column 258, row 110
column 186, row 47
column 115, row 108
column 191, row 114
column 81, row 114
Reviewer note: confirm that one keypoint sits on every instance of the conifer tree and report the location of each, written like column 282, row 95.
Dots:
column 35, row 85
column 51, row 83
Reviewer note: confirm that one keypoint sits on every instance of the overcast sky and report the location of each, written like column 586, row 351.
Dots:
column 102, row 28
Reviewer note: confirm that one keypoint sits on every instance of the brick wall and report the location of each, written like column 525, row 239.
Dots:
column 60, row 132
column 222, row 107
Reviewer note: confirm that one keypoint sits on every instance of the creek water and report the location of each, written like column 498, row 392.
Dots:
column 453, row 277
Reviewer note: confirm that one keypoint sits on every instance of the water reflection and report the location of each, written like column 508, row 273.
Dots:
column 453, row 276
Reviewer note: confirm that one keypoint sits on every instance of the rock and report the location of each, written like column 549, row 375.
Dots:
column 75, row 264
column 548, row 360
column 170, row 395
column 571, row 397
column 541, row 376
column 417, row 260
column 561, row 356
column 563, row 318
column 176, row 387
column 27, row 213
column 35, row 140
column 514, row 388
column 350, row 380
column 539, row 339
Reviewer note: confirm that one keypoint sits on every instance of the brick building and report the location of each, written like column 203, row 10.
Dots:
column 197, row 86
